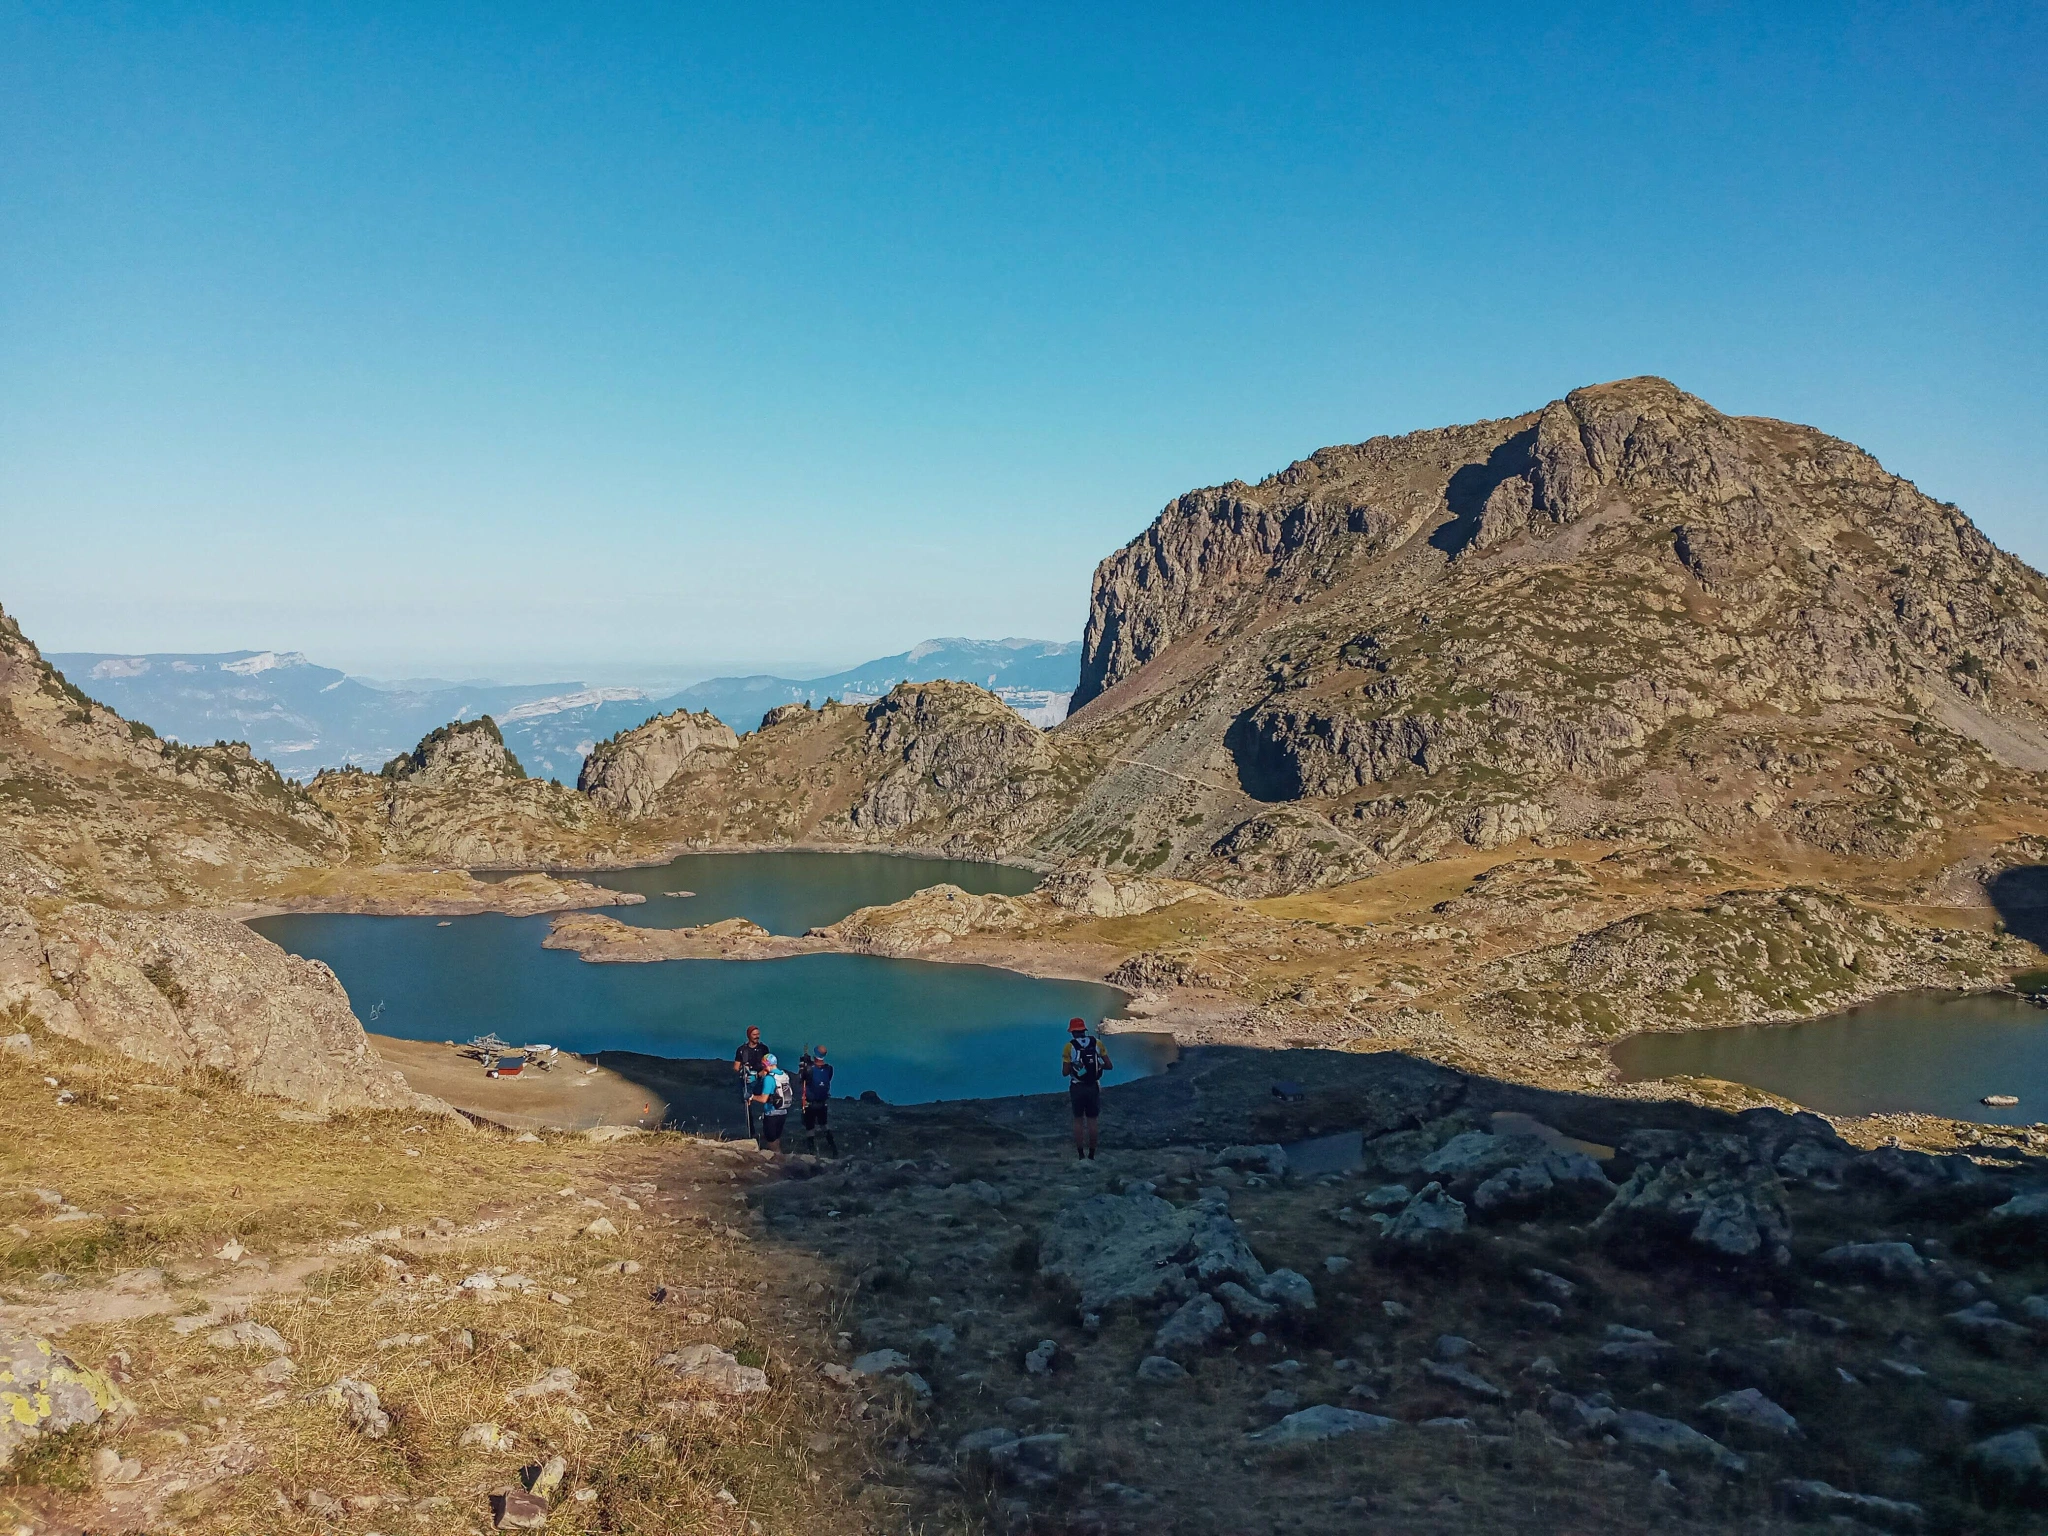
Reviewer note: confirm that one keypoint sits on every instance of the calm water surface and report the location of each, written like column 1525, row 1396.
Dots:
column 1935, row 1052
column 913, row 1031
column 791, row 892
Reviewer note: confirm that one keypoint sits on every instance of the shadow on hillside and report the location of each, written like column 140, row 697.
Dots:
column 1215, row 1095
column 1470, row 486
column 2020, row 896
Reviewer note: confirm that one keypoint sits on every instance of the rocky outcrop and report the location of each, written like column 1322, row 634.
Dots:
column 626, row 773
column 43, row 1391
column 193, row 991
column 951, row 752
column 1478, row 634
column 941, row 766
column 460, row 797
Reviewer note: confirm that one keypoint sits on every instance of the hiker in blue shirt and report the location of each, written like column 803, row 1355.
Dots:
column 774, row 1094
column 814, row 1084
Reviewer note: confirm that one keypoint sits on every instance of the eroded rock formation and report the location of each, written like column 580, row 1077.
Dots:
column 625, row 774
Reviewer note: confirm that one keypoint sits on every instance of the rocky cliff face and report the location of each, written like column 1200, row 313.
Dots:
column 626, row 773
column 932, row 765
column 1624, row 606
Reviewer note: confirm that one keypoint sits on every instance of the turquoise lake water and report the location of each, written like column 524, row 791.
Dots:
column 1938, row 1053
column 913, row 1031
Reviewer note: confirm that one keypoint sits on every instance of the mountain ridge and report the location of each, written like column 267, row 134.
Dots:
column 305, row 718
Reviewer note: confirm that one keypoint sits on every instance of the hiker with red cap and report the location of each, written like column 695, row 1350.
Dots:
column 1083, row 1062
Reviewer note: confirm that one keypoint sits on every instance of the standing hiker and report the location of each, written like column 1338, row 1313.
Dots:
column 774, row 1097
column 1083, row 1062
column 746, row 1063
column 814, row 1082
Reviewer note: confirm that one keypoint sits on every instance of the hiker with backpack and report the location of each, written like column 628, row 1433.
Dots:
column 1083, row 1062
column 814, row 1083
column 775, row 1095
column 746, row 1063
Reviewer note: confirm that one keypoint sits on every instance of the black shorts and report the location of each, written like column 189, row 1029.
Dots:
column 817, row 1116
column 771, row 1127
column 1086, row 1099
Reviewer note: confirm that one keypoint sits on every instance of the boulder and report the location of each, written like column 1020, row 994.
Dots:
column 1430, row 1217
column 1218, row 1251
column 357, row 1402
column 1812, row 1163
column 1750, row 1409
column 1981, row 1324
column 1463, row 1379
column 1915, row 1173
column 1886, row 1263
column 1472, row 1154
column 1268, row 1158
column 1322, row 1422
column 1117, row 1251
column 1634, row 1346
column 248, row 1335
column 1578, row 1417
column 980, row 1442
column 1198, row 1324
column 1157, row 1370
column 2029, row 1210
column 1290, row 1291
column 1244, row 1307
column 1034, row 1461
column 43, row 1391
column 559, row 1381
column 711, row 1368
column 1811, row 1499
column 2013, row 1462
column 1136, row 1250
column 1669, row 1437
column 1718, row 1199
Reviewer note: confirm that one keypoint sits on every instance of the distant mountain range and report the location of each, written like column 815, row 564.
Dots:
column 304, row 717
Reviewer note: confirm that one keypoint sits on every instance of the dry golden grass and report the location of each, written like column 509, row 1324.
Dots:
column 173, row 1171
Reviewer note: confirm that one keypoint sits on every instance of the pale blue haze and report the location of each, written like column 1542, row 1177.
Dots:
column 530, row 340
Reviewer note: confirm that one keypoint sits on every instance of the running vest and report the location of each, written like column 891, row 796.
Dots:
column 1086, row 1058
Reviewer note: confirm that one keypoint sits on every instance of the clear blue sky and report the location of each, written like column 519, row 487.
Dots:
column 516, row 338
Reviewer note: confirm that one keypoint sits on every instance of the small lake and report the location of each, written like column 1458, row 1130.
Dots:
column 1935, row 1052
column 913, row 1031
column 788, row 892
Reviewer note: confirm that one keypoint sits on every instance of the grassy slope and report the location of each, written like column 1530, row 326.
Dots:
column 173, row 1172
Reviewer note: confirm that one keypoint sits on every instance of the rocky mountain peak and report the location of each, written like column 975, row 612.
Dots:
column 459, row 749
column 1550, row 621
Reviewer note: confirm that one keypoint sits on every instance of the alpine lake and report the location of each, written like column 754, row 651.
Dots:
column 912, row 1031
column 1937, row 1053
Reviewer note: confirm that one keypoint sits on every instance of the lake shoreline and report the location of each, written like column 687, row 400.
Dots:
column 1913, row 1051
